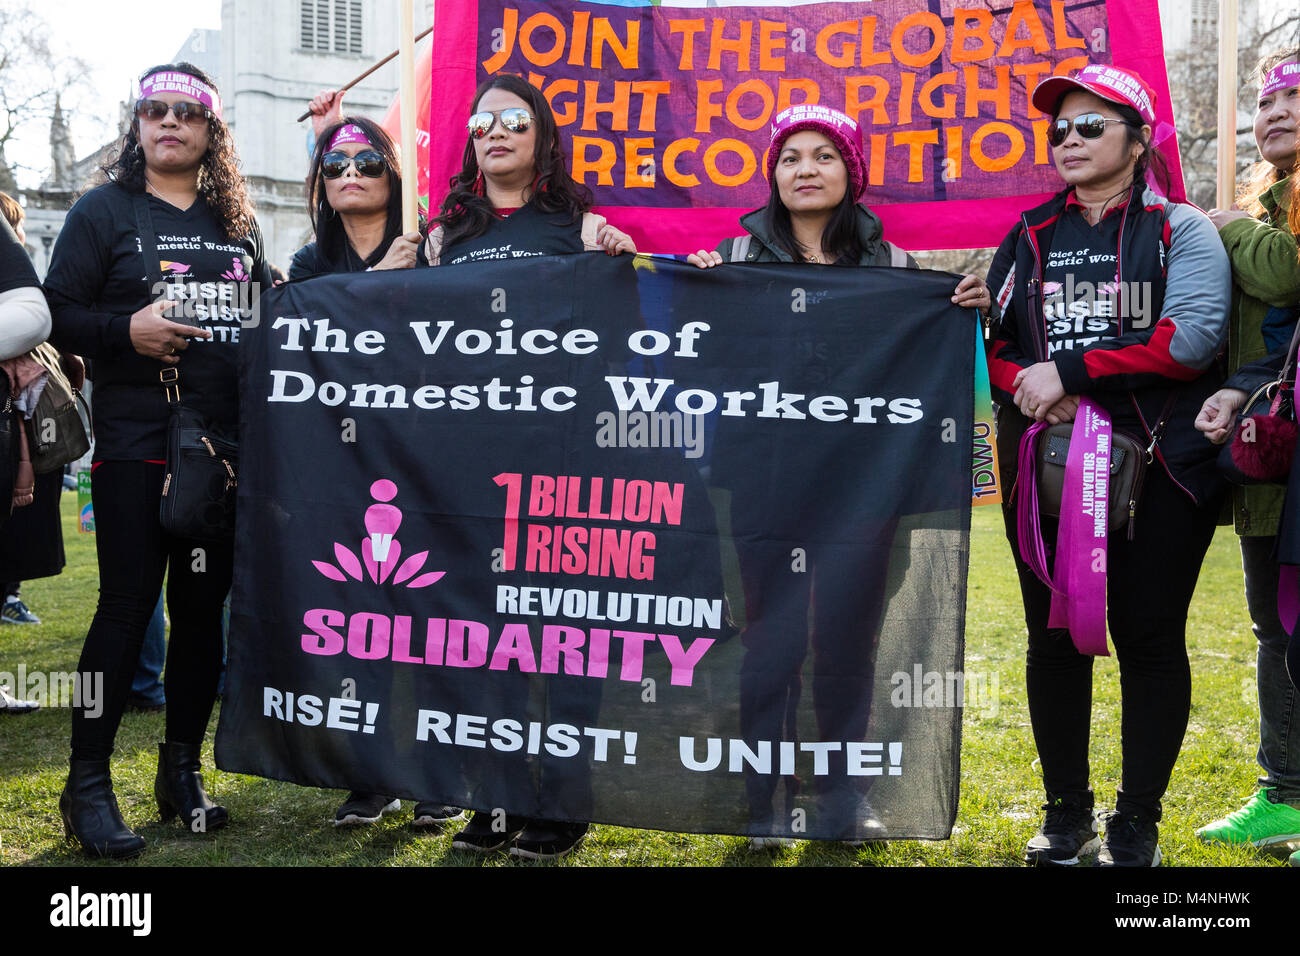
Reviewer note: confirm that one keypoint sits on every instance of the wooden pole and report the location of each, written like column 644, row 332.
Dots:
column 1227, row 158
column 406, row 69
column 357, row 79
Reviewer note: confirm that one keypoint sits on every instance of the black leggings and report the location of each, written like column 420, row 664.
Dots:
column 134, row 552
column 1149, row 586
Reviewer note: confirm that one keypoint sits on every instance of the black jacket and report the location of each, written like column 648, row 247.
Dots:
column 98, row 280
column 763, row 248
column 1165, row 368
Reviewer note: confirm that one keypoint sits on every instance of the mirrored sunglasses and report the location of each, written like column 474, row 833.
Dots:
column 368, row 162
column 1089, row 125
column 516, row 119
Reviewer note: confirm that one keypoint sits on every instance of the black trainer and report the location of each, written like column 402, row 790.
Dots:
column 549, row 840
column 360, row 808
column 485, row 834
column 1130, row 840
column 429, row 814
column 1069, row 831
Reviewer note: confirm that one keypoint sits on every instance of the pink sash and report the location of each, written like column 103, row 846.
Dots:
column 1288, row 597
column 1079, row 588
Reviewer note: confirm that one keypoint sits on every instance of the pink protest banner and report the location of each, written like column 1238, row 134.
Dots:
column 665, row 111
column 392, row 121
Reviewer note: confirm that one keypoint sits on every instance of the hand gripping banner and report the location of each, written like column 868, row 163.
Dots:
column 665, row 111
column 615, row 540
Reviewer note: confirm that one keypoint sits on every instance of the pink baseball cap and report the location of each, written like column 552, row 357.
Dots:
column 836, row 126
column 1109, row 82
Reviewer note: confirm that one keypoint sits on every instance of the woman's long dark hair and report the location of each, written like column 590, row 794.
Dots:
column 325, row 222
column 220, row 183
column 839, row 237
column 466, row 214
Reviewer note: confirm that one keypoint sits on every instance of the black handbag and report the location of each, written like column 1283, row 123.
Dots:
column 1128, row 465
column 1264, row 438
column 198, row 493
column 1129, row 461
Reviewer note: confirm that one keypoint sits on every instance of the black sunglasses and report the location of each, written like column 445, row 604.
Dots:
column 368, row 162
column 1089, row 125
column 184, row 111
column 514, row 118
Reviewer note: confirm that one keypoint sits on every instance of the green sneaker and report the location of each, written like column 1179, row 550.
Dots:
column 1261, row 822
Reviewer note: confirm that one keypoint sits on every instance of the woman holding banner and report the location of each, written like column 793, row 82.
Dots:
column 513, row 192
column 817, row 173
column 1115, row 304
column 354, row 197
column 1260, row 239
column 354, row 200
column 175, row 197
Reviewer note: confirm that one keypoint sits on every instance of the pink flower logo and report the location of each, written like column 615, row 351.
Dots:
column 381, row 550
column 236, row 271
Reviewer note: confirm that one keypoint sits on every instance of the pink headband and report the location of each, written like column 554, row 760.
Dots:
column 1281, row 77
column 348, row 134
column 185, row 84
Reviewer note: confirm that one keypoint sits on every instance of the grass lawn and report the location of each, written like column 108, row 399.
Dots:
column 281, row 824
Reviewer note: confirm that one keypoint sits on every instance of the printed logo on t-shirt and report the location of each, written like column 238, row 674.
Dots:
column 219, row 306
column 1084, row 299
column 496, row 252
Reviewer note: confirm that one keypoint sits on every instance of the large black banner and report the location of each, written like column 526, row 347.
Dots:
column 608, row 539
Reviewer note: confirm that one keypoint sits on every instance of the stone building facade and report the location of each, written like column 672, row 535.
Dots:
column 269, row 60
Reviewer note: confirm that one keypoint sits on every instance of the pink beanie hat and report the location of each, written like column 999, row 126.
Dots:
column 836, row 126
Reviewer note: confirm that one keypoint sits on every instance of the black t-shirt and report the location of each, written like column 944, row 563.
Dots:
column 525, row 232
column 16, row 271
column 97, row 281
column 314, row 259
column 1080, row 280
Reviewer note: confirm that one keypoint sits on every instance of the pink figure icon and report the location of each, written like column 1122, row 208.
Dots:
column 382, row 520
column 381, row 551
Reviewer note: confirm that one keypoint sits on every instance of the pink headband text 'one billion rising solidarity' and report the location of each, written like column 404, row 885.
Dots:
column 183, row 83
column 1281, row 77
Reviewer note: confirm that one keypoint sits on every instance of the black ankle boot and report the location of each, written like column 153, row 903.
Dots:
column 179, row 789
column 90, row 812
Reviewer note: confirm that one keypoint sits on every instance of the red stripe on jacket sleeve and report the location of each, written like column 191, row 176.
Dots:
column 1151, row 357
column 1002, row 374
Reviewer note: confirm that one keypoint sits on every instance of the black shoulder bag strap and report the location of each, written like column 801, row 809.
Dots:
column 148, row 240
column 1287, row 374
column 170, row 376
